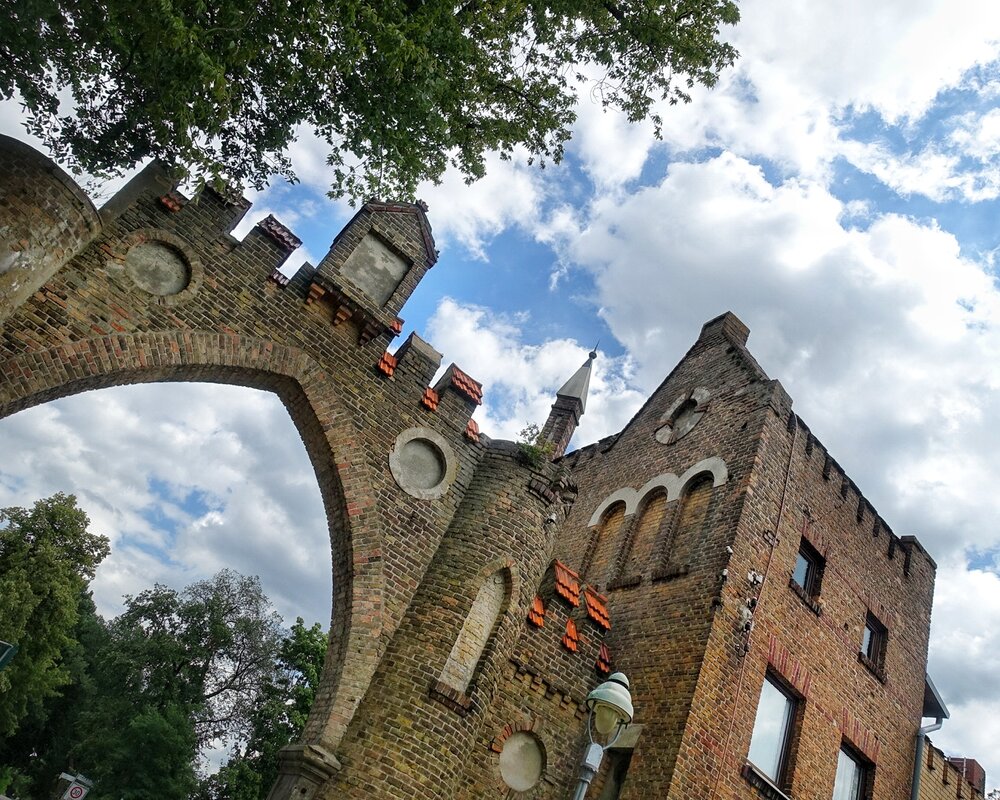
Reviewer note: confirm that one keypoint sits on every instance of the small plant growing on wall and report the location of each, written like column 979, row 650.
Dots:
column 534, row 450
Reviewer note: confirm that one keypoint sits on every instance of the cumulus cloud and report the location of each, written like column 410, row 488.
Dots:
column 185, row 479
column 886, row 336
column 521, row 379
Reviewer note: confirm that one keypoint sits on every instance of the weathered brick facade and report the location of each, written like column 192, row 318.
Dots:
column 478, row 596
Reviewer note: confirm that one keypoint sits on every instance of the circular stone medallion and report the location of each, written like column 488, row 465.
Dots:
column 157, row 268
column 522, row 761
column 422, row 463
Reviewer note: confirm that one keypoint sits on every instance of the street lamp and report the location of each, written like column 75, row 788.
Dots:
column 610, row 710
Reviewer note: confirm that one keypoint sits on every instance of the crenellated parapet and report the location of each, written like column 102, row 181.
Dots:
column 851, row 505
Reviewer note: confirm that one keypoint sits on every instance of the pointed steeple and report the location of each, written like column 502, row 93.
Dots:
column 571, row 402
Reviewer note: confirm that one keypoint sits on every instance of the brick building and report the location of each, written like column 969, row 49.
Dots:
column 773, row 626
column 943, row 778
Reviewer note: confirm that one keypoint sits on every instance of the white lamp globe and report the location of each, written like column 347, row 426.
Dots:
column 611, row 704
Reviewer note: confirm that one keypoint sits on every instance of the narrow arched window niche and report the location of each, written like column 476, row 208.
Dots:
column 464, row 660
column 637, row 551
column 597, row 563
column 690, row 528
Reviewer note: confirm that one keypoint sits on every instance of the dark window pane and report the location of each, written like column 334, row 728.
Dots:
column 801, row 574
column 873, row 641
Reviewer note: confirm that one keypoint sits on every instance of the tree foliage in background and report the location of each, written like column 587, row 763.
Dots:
column 47, row 558
column 41, row 747
column 277, row 719
column 398, row 89
column 181, row 671
column 135, row 702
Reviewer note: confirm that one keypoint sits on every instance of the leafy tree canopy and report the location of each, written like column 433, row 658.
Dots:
column 277, row 718
column 40, row 749
column 47, row 557
column 208, row 650
column 398, row 89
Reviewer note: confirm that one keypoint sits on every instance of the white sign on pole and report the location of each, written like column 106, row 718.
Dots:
column 76, row 791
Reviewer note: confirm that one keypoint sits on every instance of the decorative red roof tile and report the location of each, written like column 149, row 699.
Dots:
column 397, row 326
column 472, row 430
column 536, row 614
column 172, row 201
column 603, row 665
column 279, row 278
column 571, row 639
column 387, row 363
column 279, row 232
column 597, row 607
column 430, row 399
column 472, row 389
column 567, row 584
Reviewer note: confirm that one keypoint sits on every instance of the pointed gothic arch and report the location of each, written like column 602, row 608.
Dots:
column 597, row 564
column 309, row 394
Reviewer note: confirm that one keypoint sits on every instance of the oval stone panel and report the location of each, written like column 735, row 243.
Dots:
column 157, row 269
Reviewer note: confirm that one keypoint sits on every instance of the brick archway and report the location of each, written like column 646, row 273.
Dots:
column 310, row 396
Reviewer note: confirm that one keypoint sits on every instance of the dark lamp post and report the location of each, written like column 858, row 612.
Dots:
column 610, row 710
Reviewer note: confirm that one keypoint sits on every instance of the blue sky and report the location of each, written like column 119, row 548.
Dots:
column 838, row 190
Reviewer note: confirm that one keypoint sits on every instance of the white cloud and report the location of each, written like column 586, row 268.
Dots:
column 893, row 57
column 521, row 379
column 965, row 641
column 886, row 337
column 185, row 479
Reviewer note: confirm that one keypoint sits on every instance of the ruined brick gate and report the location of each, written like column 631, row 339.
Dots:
column 479, row 595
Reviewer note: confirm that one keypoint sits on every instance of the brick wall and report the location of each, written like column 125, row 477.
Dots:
column 90, row 326
column 812, row 644
column 45, row 219
column 941, row 780
column 415, row 730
